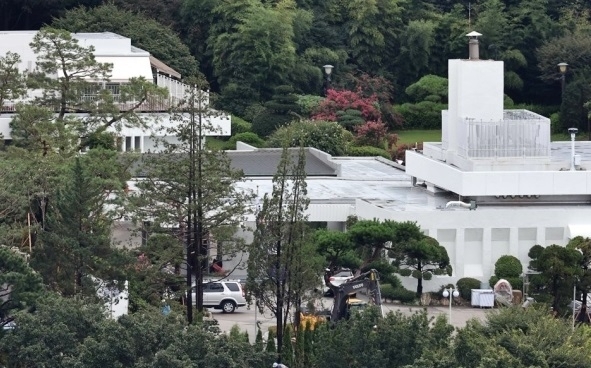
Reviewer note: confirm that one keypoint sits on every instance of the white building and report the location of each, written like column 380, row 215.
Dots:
column 500, row 160
column 127, row 62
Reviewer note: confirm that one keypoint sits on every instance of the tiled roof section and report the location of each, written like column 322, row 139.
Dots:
column 264, row 162
column 159, row 65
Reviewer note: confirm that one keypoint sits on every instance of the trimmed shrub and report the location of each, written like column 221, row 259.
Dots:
column 404, row 296
column 326, row 136
column 422, row 115
column 508, row 266
column 465, row 286
column 240, row 125
column 248, row 137
column 368, row 151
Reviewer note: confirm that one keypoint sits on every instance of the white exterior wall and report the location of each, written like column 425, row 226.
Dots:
column 476, row 91
column 475, row 240
column 493, row 183
column 127, row 67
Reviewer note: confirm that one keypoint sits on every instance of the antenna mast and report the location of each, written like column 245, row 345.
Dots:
column 469, row 16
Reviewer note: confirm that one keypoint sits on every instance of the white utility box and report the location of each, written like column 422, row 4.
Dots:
column 483, row 298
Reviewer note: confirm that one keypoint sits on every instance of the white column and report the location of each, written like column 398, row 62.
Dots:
column 460, row 245
column 514, row 242
column 487, row 261
column 133, row 143
column 123, row 140
column 142, row 143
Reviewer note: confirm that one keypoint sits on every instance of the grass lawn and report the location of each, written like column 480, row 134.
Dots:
column 214, row 143
column 413, row 136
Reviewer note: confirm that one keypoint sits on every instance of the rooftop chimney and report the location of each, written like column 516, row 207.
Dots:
column 474, row 53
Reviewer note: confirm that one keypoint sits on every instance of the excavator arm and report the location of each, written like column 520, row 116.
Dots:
column 368, row 280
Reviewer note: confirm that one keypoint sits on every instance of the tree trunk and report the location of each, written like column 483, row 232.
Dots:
column 420, row 281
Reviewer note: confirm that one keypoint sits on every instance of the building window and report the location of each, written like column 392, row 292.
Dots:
column 114, row 89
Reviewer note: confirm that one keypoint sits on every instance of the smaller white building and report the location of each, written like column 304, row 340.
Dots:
column 127, row 62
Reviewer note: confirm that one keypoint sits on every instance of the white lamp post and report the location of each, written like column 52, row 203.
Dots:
column 562, row 68
column 573, row 132
column 328, row 71
column 450, row 293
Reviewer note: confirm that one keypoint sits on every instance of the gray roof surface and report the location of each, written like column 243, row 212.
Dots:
column 265, row 162
column 367, row 179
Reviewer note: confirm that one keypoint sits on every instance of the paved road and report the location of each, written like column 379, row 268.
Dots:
column 245, row 317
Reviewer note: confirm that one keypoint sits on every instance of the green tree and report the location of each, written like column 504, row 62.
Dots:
column 371, row 239
column 583, row 245
column 75, row 244
column 12, row 82
column 194, row 189
column 52, row 335
column 558, row 268
column 416, row 40
column 508, row 267
column 258, row 49
column 77, row 71
column 327, row 136
column 280, row 110
column 20, row 286
column 418, row 255
column 282, row 262
column 333, row 245
column 428, row 88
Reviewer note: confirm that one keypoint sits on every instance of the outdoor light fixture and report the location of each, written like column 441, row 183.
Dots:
column 450, row 293
column 328, row 71
column 562, row 68
column 573, row 132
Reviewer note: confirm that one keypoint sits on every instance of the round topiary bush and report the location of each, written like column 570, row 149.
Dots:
column 508, row 266
column 247, row 137
column 465, row 286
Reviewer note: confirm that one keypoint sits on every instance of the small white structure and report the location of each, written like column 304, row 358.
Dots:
column 128, row 62
column 483, row 298
column 116, row 298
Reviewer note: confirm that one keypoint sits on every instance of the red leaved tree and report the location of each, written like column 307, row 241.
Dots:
column 371, row 133
column 340, row 101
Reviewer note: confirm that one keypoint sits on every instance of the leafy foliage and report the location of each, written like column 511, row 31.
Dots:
column 428, row 88
column 558, row 267
column 323, row 135
column 372, row 133
column 246, row 137
column 342, row 101
column 465, row 286
column 145, row 32
column 368, row 151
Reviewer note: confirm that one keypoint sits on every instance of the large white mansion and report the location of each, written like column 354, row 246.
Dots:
column 127, row 62
column 494, row 185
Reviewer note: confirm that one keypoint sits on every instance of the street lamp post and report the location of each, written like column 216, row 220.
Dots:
column 562, row 68
column 573, row 132
column 327, row 71
column 451, row 293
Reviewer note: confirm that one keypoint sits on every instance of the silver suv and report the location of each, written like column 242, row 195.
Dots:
column 226, row 295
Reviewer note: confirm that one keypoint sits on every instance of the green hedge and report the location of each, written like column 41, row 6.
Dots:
column 390, row 292
column 465, row 286
column 422, row 115
column 368, row 151
column 248, row 138
column 240, row 125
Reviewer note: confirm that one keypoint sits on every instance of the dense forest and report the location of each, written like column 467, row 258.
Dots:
column 254, row 51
